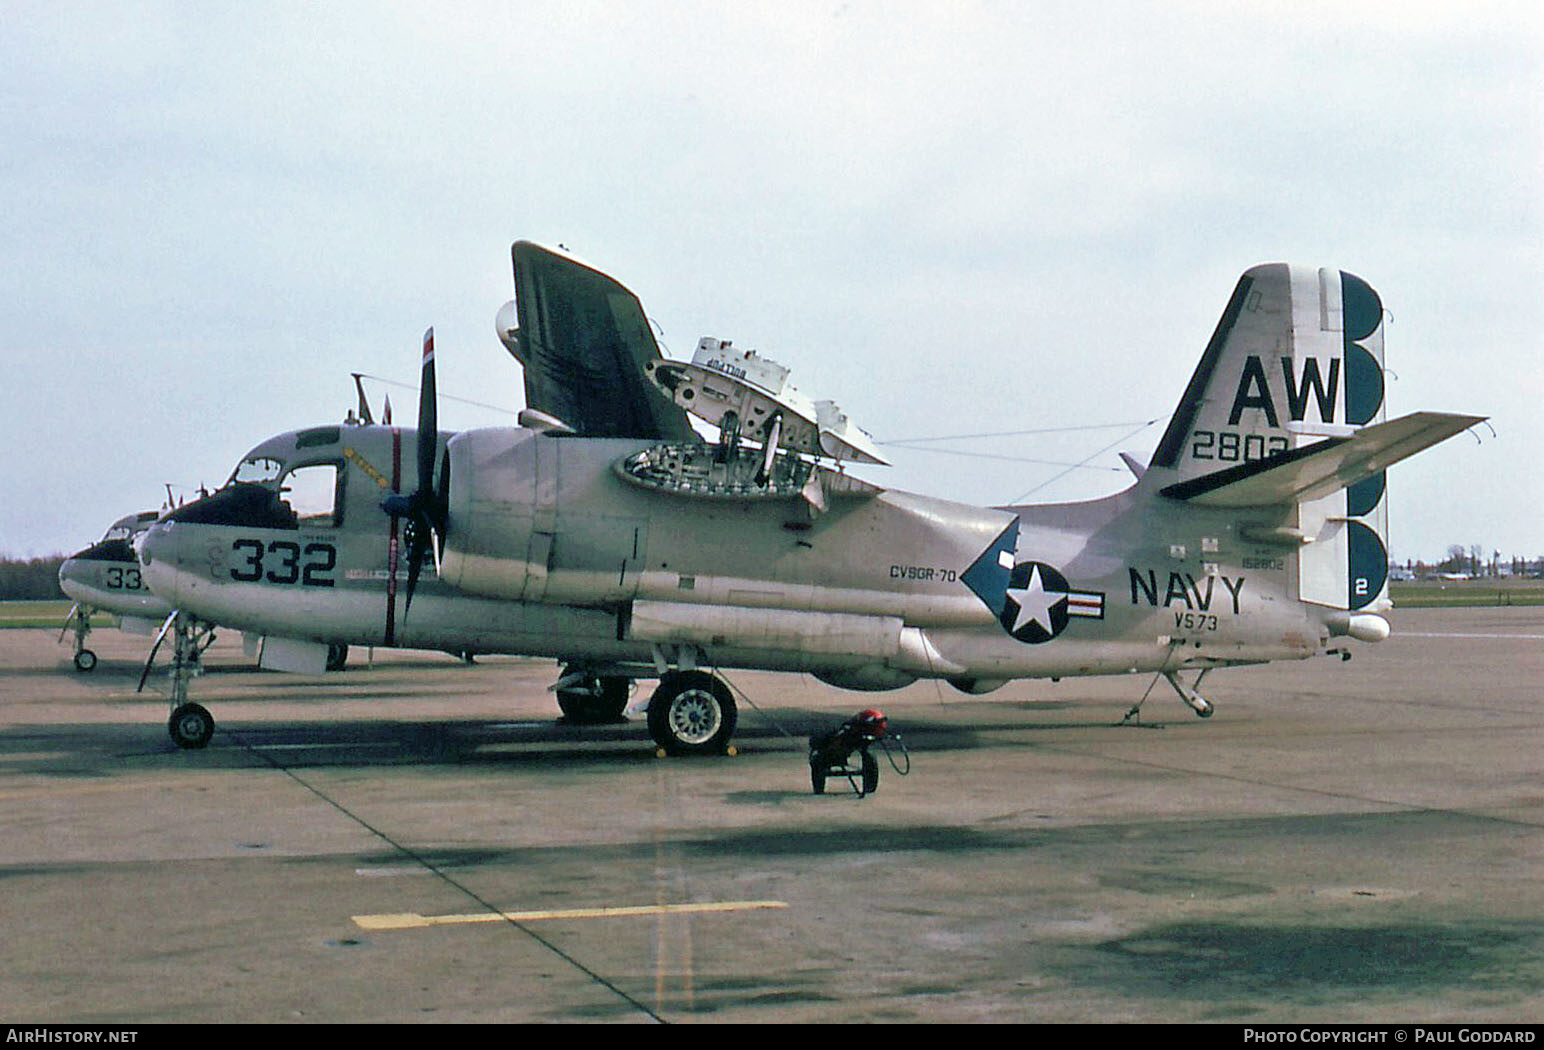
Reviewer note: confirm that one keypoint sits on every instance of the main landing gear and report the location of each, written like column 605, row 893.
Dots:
column 692, row 713
column 588, row 699
column 190, row 725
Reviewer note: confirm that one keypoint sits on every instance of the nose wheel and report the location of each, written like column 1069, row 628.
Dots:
column 79, row 621
column 191, row 726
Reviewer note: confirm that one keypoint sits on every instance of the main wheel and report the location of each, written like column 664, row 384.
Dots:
column 337, row 657
column 85, row 660
column 597, row 701
column 691, row 713
column 191, row 726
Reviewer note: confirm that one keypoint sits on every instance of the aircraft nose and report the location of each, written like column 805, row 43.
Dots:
column 151, row 544
column 156, row 558
column 69, row 573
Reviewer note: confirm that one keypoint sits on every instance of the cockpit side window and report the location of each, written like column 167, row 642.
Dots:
column 259, row 470
column 315, row 494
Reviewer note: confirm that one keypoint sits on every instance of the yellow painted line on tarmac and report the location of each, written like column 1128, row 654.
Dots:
column 414, row 921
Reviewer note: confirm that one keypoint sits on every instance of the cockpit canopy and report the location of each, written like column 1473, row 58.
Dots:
column 257, row 470
column 293, row 481
column 131, row 525
column 117, row 543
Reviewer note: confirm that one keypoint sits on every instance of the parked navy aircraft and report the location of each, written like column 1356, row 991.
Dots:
column 605, row 533
column 105, row 577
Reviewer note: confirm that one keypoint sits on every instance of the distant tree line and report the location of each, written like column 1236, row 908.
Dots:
column 34, row 579
column 1472, row 561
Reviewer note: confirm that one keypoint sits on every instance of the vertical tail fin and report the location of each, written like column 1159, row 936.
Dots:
column 1295, row 365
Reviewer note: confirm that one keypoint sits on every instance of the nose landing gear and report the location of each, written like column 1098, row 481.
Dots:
column 79, row 620
column 191, row 725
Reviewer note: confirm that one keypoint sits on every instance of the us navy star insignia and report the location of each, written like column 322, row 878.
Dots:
column 1039, row 603
column 1034, row 603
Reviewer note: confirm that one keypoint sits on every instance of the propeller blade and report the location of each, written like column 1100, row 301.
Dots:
column 441, row 509
column 425, row 509
column 150, row 660
column 422, row 537
column 428, row 418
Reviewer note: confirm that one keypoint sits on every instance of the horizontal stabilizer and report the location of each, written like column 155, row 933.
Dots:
column 1323, row 467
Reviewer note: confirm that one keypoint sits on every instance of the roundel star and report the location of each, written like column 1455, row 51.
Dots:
column 1036, row 606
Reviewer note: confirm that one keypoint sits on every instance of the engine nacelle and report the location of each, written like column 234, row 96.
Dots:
column 495, row 546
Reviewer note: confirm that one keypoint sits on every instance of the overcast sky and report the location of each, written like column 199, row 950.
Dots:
column 950, row 218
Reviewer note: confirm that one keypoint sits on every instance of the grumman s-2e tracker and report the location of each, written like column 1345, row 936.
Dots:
column 105, row 577
column 604, row 532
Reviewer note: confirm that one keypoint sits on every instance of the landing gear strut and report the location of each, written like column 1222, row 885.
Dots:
column 80, row 620
column 190, row 725
column 692, row 713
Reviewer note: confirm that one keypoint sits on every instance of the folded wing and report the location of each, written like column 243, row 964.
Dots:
column 583, row 341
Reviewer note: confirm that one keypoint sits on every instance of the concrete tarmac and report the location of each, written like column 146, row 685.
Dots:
column 420, row 840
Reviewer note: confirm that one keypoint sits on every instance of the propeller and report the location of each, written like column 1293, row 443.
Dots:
column 426, row 509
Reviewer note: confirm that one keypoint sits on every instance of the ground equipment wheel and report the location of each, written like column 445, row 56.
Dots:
column 692, row 713
column 191, row 726
column 870, row 772
column 818, row 770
